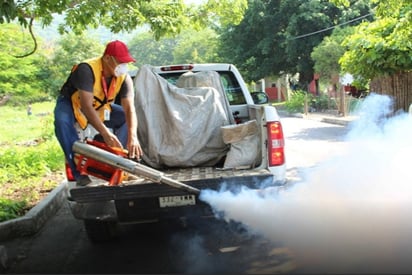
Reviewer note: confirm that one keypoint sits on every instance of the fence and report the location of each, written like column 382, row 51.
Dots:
column 397, row 86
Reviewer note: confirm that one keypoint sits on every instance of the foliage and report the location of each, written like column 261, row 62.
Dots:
column 23, row 167
column 353, row 104
column 47, row 129
column 146, row 50
column 279, row 36
column 196, row 47
column 163, row 17
column 296, row 102
column 360, row 83
column 70, row 50
column 220, row 13
column 20, row 163
column 19, row 77
column 307, row 17
column 250, row 44
column 11, row 209
column 50, row 66
column 321, row 102
column 28, row 153
column 327, row 54
column 190, row 46
column 383, row 46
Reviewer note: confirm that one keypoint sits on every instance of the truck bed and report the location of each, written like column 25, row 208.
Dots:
column 144, row 201
column 200, row 177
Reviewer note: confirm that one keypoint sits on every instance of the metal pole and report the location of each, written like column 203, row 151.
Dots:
column 129, row 166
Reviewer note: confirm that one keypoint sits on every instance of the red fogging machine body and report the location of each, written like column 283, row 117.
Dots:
column 96, row 158
column 88, row 166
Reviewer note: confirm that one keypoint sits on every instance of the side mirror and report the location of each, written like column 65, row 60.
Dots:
column 260, row 97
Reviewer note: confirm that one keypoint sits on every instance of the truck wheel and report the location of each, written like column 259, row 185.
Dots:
column 100, row 231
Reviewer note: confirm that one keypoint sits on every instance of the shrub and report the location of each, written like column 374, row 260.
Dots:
column 11, row 209
column 321, row 103
column 31, row 160
column 296, row 103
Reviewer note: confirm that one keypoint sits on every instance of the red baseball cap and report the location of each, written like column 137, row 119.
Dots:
column 119, row 50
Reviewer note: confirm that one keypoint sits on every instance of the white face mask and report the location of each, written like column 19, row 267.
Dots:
column 120, row 69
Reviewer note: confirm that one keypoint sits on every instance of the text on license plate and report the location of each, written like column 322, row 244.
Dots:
column 177, row 200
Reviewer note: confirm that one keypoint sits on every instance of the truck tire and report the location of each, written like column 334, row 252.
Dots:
column 100, row 231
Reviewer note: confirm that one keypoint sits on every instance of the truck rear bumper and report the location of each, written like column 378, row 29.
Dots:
column 136, row 210
column 143, row 202
column 102, row 210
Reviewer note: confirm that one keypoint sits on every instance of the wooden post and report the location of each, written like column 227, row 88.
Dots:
column 342, row 101
column 279, row 87
column 305, row 108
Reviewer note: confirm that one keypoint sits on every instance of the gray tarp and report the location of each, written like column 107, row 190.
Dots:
column 180, row 126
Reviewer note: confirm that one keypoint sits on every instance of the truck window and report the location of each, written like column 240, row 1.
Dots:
column 230, row 84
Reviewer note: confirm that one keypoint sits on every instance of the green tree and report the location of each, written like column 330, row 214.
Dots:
column 190, row 46
column 70, row 50
column 147, row 50
column 163, row 17
column 279, row 36
column 19, row 77
column 327, row 54
column 249, row 44
column 306, row 18
column 383, row 46
column 196, row 47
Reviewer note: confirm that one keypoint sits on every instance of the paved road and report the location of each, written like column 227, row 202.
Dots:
column 207, row 247
column 62, row 247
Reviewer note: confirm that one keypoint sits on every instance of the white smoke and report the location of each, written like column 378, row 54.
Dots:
column 352, row 212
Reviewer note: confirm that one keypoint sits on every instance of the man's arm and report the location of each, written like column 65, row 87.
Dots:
column 86, row 103
column 133, row 146
column 127, row 102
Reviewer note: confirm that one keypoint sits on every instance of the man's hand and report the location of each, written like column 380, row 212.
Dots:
column 86, row 102
column 111, row 140
column 134, row 149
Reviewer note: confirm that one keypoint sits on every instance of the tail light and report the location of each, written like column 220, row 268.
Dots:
column 69, row 173
column 276, row 143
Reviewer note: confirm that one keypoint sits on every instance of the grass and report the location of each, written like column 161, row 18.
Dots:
column 31, row 161
column 278, row 105
column 17, row 126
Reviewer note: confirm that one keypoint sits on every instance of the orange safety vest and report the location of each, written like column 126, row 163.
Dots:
column 102, row 97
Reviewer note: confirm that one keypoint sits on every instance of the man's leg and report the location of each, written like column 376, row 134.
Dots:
column 65, row 131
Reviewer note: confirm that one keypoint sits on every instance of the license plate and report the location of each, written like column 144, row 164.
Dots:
column 177, row 201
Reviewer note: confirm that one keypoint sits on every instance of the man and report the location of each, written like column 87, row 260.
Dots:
column 88, row 96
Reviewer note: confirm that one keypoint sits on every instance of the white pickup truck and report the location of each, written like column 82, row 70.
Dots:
column 190, row 131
